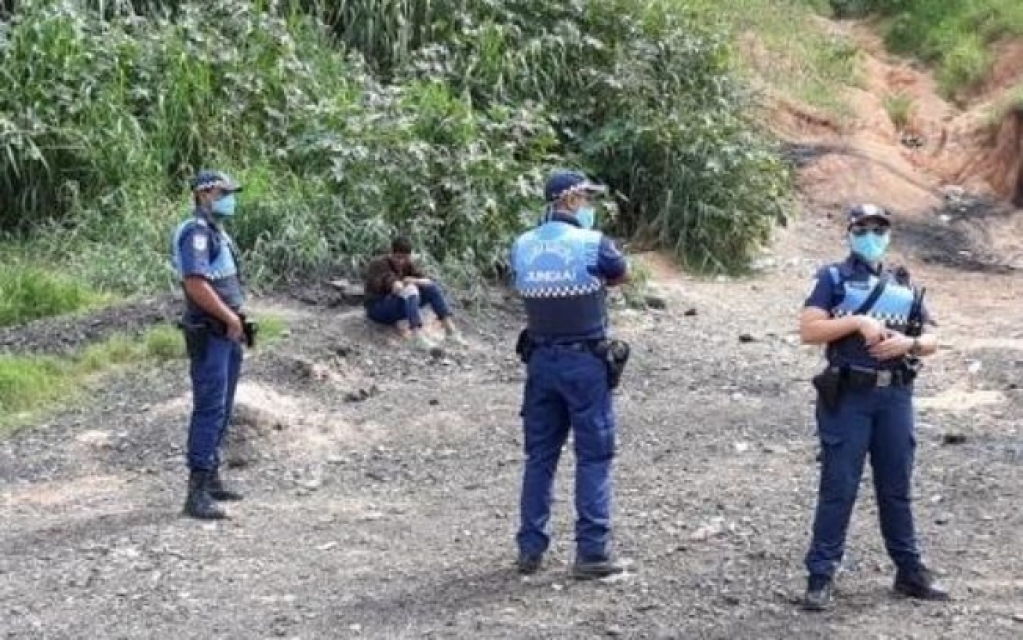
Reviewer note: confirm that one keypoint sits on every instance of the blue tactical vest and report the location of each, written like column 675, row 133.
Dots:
column 555, row 269
column 891, row 309
column 224, row 275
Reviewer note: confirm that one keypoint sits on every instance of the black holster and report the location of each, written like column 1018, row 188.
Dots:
column 828, row 384
column 250, row 329
column 197, row 335
column 197, row 339
column 616, row 354
column 524, row 346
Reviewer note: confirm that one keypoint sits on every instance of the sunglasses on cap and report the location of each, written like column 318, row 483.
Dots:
column 862, row 230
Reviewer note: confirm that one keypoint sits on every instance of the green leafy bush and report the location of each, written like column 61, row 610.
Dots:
column 350, row 120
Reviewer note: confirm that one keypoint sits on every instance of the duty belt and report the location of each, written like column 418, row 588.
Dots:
column 860, row 377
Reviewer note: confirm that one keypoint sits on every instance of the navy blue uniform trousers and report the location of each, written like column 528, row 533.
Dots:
column 214, row 380
column 879, row 422
column 567, row 389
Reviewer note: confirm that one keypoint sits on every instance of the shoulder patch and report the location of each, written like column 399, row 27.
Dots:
column 199, row 242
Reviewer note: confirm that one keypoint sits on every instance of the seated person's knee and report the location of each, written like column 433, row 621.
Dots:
column 409, row 291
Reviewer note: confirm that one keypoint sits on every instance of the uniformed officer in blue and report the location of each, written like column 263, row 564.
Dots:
column 207, row 267
column 561, row 269
column 862, row 311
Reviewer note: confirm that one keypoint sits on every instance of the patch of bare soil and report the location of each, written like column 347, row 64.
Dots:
column 66, row 334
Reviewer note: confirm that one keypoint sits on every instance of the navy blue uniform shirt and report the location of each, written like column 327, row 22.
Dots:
column 828, row 296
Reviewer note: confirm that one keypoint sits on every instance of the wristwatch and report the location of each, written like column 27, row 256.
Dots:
column 915, row 349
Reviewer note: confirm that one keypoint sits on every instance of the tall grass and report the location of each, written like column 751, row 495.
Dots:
column 351, row 120
column 28, row 292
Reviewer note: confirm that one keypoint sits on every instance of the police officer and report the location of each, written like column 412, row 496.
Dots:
column 207, row 267
column 861, row 311
column 561, row 269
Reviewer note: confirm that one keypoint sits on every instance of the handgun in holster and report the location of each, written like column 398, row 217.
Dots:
column 616, row 354
column 828, row 384
column 914, row 329
column 524, row 346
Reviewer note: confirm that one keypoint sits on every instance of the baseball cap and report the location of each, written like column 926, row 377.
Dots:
column 863, row 212
column 563, row 183
column 209, row 179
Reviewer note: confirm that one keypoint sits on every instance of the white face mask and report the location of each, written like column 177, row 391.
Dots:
column 586, row 216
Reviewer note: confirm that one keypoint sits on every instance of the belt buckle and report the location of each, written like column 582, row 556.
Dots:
column 885, row 378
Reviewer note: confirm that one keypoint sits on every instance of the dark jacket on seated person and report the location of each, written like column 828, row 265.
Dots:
column 381, row 274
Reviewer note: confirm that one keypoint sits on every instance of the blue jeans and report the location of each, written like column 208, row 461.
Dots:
column 214, row 380
column 393, row 309
column 566, row 388
column 877, row 421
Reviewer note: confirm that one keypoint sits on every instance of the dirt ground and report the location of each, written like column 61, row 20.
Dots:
column 382, row 487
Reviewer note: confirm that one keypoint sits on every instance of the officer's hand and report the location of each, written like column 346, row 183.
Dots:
column 235, row 330
column 894, row 346
column 873, row 331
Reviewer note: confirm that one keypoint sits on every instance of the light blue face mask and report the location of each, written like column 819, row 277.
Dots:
column 586, row 217
column 870, row 246
column 224, row 206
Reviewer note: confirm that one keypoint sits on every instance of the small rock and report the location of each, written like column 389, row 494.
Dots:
column 613, row 631
column 741, row 447
column 95, row 438
column 953, row 193
column 746, row 338
column 943, row 518
column 328, row 546
column 690, row 311
column 655, row 301
column 710, row 530
column 1017, row 617
column 952, row 437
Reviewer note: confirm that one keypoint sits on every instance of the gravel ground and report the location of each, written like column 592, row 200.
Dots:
column 382, row 486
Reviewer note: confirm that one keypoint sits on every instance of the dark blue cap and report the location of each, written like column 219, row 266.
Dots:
column 207, row 179
column 863, row 212
column 563, row 183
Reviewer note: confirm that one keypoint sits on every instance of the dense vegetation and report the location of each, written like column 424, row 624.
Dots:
column 954, row 35
column 348, row 120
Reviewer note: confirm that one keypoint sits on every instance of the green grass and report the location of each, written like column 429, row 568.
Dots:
column 635, row 291
column 30, row 292
column 956, row 36
column 29, row 384
column 899, row 107
column 803, row 62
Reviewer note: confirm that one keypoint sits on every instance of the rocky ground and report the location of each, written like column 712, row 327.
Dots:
column 382, row 487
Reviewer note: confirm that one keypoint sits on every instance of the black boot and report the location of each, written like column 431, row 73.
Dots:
column 919, row 583
column 527, row 564
column 219, row 492
column 595, row 569
column 818, row 593
column 199, row 503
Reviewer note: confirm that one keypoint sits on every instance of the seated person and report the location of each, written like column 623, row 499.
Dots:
column 395, row 290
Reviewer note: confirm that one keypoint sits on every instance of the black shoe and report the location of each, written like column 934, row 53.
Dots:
column 818, row 593
column 527, row 565
column 919, row 583
column 200, row 503
column 595, row 569
column 218, row 492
